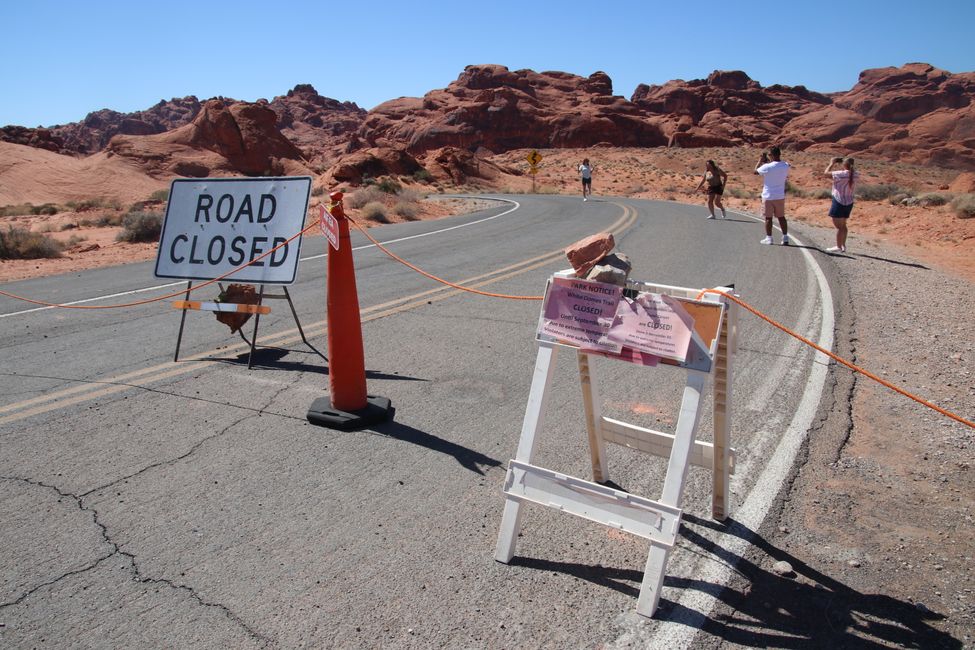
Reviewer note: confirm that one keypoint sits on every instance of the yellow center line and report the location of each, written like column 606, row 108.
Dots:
column 94, row 389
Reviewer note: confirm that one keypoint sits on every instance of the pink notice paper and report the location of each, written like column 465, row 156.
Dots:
column 579, row 312
column 653, row 323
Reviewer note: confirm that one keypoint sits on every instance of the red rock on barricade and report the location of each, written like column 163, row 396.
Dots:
column 238, row 294
column 586, row 253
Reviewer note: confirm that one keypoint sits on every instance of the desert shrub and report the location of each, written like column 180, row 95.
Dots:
column 389, row 186
column 793, row 190
column 318, row 191
column 739, row 193
column 930, row 199
column 375, row 211
column 364, row 195
column 898, row 198
column 409, row 195
column 68, row 226
column 876, row 192
column 964, row 206
column 47, row 208
column 160, row 195
column 140, row 227
column 821, row 193
column 406, row 209
column 22, row 244
column 94, row 204
column 422, row 176
column 103, row 220
column 74, row 240
column 16, row 210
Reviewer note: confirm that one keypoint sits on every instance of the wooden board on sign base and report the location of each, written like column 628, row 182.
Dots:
column 707, row 326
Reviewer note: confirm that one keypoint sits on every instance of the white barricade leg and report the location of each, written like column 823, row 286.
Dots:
column 690, row 410
column 590, row 404
column 534, row 417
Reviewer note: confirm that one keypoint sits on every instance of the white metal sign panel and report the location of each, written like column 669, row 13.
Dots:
column 215, row 225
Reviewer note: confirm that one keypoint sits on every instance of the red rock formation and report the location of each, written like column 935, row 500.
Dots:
column 38, row 138
column 372, row 163
column 916, row 113
column 726, row 109
column 93, row 134
column 321, row 127
column 493, row 107
column 239, row 138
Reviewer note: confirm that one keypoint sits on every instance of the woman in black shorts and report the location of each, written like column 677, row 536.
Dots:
column 842, row 205
column 715, row 179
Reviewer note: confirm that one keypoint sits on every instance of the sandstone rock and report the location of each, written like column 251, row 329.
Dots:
column 612, row 269
column 374, row 162
column 499, row 109
column 964, row 183
column 916, row 113
column 238, row 294
column 586, row 253
column 237, row 138
column 782, row 568
column 321, row 127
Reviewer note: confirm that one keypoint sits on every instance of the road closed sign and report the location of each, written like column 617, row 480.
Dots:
column 215, row 225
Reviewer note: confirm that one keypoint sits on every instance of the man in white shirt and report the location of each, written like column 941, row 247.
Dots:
column 774, row 173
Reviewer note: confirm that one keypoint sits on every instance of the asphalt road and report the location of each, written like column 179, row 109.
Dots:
column 149, row 503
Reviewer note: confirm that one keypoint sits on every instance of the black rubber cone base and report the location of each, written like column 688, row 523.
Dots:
column 377, row 409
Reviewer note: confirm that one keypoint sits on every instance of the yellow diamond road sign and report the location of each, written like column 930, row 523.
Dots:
column 534, row 158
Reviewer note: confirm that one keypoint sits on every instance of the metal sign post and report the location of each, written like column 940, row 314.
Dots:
column 214, row 226
column 533, row 159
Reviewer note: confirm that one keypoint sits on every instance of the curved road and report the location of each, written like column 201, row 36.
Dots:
column 153, row 503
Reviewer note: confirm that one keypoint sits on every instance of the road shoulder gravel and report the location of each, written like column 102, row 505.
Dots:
column 872, row 543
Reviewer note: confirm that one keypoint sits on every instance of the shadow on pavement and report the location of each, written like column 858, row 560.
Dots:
column 271, row 359
column 806, row 608
column 468, row 458
column 890, row 261
column 803, row 609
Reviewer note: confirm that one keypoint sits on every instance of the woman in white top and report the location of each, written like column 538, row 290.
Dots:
column 842, row 205
column 586, row 170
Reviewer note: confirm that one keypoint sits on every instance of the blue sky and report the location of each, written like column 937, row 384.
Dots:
column 60, row 61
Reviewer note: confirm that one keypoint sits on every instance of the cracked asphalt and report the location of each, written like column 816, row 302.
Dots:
column 147, row 503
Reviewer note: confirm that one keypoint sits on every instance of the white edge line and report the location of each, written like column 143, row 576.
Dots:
column 681, row 631
column 436, row 232
column 516, row 205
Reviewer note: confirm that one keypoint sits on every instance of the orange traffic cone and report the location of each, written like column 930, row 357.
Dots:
column 348, row 406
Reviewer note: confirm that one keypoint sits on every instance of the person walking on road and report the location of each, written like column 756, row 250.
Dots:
column 774, row 172
column 585, row 169
column 842, row 205
column 716, row 179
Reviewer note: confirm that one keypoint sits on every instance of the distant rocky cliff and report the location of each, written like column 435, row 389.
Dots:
column 915, row 113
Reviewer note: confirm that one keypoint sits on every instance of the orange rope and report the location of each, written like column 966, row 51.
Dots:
column 168, row 295
column 751, row 309
column 840, row 360
column 433, row 277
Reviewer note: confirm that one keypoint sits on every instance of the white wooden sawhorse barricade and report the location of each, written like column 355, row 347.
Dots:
column 658, row 521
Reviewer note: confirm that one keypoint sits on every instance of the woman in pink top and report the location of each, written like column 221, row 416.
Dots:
column 842, row 205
